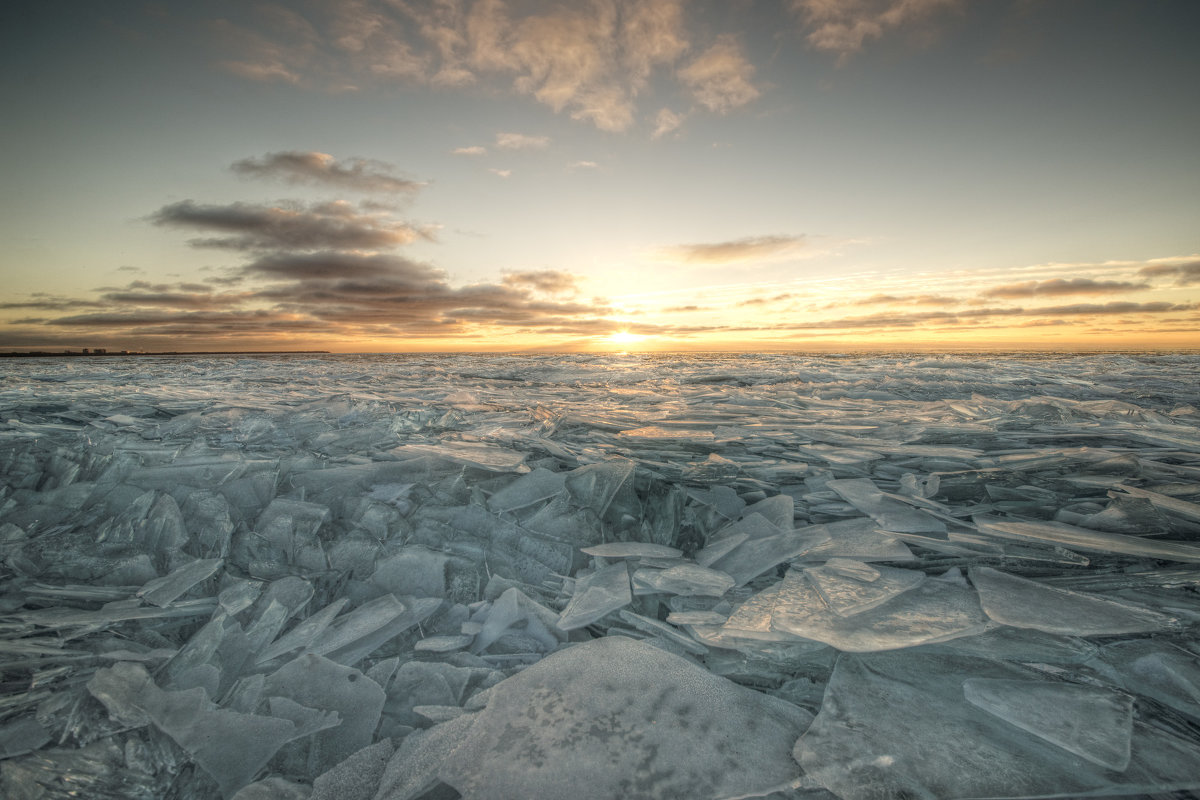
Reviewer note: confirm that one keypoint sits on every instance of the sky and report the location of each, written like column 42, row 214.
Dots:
column 599, row 175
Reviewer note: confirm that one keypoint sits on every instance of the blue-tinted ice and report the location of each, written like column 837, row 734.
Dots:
column 420, row 577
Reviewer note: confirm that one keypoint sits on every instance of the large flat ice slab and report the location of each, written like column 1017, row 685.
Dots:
column 619, row 718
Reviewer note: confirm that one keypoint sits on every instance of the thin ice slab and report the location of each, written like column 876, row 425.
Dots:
column 934, row 611
column 1023, row 603
column 851, row 587
column 1075, row 538
column 890, row 514
column 600, row 593
column 1092, row 723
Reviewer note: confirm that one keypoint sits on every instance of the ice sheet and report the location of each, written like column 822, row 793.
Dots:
column 423, row 523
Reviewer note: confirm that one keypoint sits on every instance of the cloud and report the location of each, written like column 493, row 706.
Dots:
column 288, row 225
column 1186, row 274
column 341, row 265
column 762, row 301
column 754, row 248
column 503, row 173
column 520, row 141
column 1061, row 286
column 589, row 60
column 719, row 78
column 356, row 174
column 474, row 150
column 548, row 281
column 917, row 299
column 666, row 121
column 843, row 26
column 263, row 72
column 47, row 302
column 914, row 319
column 583, row 165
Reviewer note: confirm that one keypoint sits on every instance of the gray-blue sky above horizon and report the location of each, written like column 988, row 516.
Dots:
column 677, row 166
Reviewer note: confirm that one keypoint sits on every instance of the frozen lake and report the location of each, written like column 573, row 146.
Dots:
column 595, row 576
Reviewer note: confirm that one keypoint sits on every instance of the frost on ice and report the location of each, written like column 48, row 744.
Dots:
column 412, row 578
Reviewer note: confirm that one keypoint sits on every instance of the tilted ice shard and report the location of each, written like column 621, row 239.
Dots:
column 756, row 555
column 1156, row 669
column 530, row 488
column 163, row 591
column 891, row 515
column 597, row 594
column 1023, row 603
column 1093, row 723
column 319, row 683
column 232, row 747
column 684, row 579
column 631, row 550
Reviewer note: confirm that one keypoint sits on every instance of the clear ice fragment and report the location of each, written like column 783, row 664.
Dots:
column 898, row 725
column 1093, row 723
column 319, row 683
column 1076, row 538
column 890, row 514
column 616, row 717
column 1023, row 603
column 631, row 550
column 596, row 595
column 755, row 555
column 532, row 487
column 850, row 590
column 933, row 611
column 688, row 580
column 163, row 591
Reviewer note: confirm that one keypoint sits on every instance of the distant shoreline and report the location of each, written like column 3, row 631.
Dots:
column 75, row 354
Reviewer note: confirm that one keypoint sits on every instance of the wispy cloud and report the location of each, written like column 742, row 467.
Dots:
column 665, row 122
column 474, row 150
column 521, row 141
column 917, row 300
column 356, row 174
column 720, row 77
column 1062, row 286
column 754, row 248
column 843, row 26
column 503, row 173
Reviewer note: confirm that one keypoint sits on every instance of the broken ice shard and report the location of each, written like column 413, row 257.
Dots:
column 1023, row 603
column 933, row 611
column 891, row 515
column 1093, row 723
column 596, row 595
column 852, row 587
column 614, row 718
